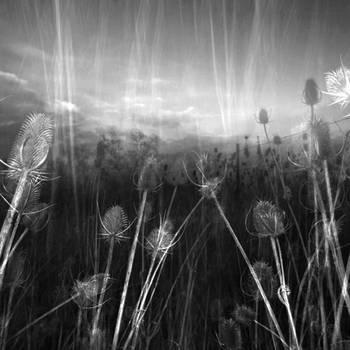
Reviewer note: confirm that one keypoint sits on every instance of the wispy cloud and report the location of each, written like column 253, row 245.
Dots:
column 7, row 77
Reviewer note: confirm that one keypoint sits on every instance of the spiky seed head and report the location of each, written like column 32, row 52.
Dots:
column 268, row 219
column 160, row 240
column 277, row 140
column 263, row 116
column 266, row 278
column 312, row 94
column 210, row 187
column 114, row 224
column 86, row 291
column 32, row 144
column 338, row 86
column 230, row 335
column 243, row 315
column 149, row 178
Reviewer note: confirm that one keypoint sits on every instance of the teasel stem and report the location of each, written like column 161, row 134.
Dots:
column 284, row 295
column 12, row 211
column 103, row 291
column 9, row 250
column 45, row 315
column 251, row 270
column 128, row 271
column 284, row 190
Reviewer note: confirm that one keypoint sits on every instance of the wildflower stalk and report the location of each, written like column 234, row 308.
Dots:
column 73, row 297
column 13, row 210
column 284, row 293
column 103, row 291
column 140, row 308
column 128, row 271
column 280, row 173
column 251, row 270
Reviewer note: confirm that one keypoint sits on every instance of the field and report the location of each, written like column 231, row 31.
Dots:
column 132, row 248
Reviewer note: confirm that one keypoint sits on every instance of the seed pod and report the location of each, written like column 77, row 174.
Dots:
column 263, row 116
column 312, row 94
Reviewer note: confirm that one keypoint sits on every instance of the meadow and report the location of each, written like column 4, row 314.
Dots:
column 210, row 250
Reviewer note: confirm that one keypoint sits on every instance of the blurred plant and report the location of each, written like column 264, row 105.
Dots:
column 160, row 240
column 243, row 315
column 230, row 335
column 267, row 279
column 263, row 116
column 312, row 94
column 338, row 85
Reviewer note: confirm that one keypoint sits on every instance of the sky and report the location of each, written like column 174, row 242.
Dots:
column 169, row 67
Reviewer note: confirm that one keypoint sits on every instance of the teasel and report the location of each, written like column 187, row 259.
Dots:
column 114, row 225
column 338, row 85
column 25, row 166
column 149, row 178
column 266, row 278
column 268, row 219
column 84, row 294
column 243, row 315
column 263, row 116
column 230, row 334
column 160, row 240
column 312, row 94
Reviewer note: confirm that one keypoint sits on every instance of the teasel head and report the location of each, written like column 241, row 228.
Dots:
column 243, row 315
column 338, row 85
column 230, row 334
column 149, row 178
column 268, row 219
column 263, row 116
column 114, row 224
column 85, row 292
column 160, row 240
column 266, row 278
column 277, row 141
column 31, row 147
column 312, row 94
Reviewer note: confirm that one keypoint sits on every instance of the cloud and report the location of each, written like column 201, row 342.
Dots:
column 65, row 106
column 11, row 78
column 16, row 99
